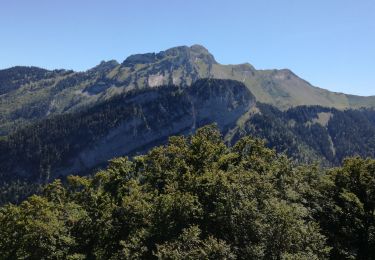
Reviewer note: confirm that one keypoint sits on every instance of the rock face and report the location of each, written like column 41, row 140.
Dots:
column 161, row 115
column 180, row 66
column 126, row 125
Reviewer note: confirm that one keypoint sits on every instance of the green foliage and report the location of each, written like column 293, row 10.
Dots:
column 348, row 211
column 17, row 191
column 189, row 245
column 194, row 198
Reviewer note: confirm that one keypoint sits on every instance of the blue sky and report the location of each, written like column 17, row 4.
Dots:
column 330, row 43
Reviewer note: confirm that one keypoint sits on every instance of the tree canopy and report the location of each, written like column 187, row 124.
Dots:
column 196, row 198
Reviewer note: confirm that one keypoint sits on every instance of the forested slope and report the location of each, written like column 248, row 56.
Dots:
column 126, row 124
column 313, row 133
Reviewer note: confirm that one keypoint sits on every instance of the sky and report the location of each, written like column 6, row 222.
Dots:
column 330, row 43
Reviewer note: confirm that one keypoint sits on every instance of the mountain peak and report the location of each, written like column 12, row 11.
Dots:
column 104, row 66
column 181, row 53
column 199, row 48
column 194, row 53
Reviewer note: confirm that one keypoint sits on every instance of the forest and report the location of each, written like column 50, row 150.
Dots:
column 197, row 198
column 303, row 135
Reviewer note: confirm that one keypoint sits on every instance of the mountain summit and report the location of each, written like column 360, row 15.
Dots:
column 179, row 55
column 179, row 66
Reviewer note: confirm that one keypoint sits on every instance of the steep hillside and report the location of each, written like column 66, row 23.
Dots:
column 25, row 94
column 126, row 124
column 28, row 94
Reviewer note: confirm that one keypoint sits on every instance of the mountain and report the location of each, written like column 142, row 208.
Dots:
column 55, row 123
column 28, row 94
